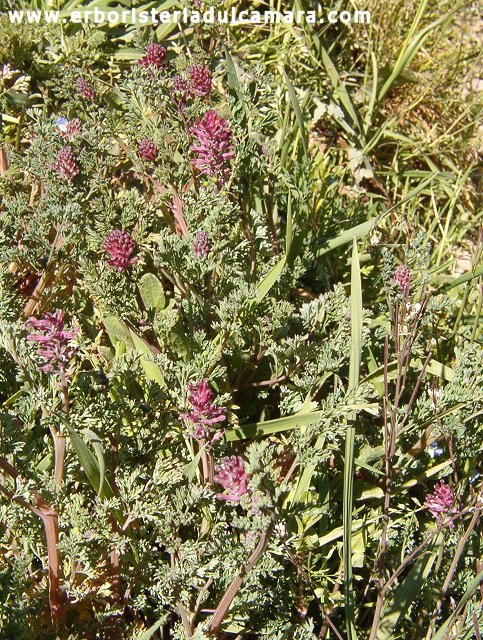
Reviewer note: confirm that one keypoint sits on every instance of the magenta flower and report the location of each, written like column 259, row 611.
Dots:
column 213, row 150
column 231, row 475
column 402, row 277
column 201, row 246
column 154, row 56
column 204, row 412
column 120, row 246
column 72, row 128
column 84, row 88
column 440, row 503
column 54, row 342
column 181, row 89
column 200, row 80
column 66, row 164
column 147, row 150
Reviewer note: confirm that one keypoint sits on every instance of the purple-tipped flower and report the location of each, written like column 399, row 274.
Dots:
column 231, row 475
column 213, row 150
column 201, row 245
column 440, row 503
column 147, row 150
column 66, row 164
column 402, row 277
column 55, row 343
column 204, row 412
column 120, row 246
column 84, row 88
column 181, row 89
column 200, row 80
column 154, row 56
column 72, row 128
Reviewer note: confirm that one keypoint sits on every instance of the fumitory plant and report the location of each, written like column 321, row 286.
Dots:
column 216, row 422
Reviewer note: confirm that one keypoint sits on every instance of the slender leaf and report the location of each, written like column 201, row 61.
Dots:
column 298, row 112
column 346, row 236
column 472, row 587
column 405, row 594
column 149, row 633
column 354, row 374
column 89, row 463
column 466, row 277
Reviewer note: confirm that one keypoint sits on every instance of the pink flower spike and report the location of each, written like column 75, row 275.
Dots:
column 214, row 149
column 72, row 128
column 66, row 164
column 231, row 475
column 402, row 277
column 204, row 412
column 84, row 88
column 441, row 502
column 201, row 245
column 54, row 341
column 120, row 246
column 200, row 80
column 147, row 150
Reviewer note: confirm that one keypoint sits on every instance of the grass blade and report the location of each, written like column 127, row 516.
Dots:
column 346, row 236
column 354, row 372
column 298, row 112
column 473, row 586
column 405, row 595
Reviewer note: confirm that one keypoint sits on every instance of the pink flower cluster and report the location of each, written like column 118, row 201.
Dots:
column 147, row 150
column 54, row 342
column 72, row 128
column 440, row 503
column 213, row 149
column 201, row 245
column 84, row 88
column 154, row 56
column 120, row 246
column 231, row 475
column 66, row 164
column 402, row 277
column 204, row 413
column 200, row 80
column 198, row 83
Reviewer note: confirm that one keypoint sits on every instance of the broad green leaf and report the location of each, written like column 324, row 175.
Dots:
column 121, row 332
column 437, row 369
column 151, row 369
column 190, row 469
column 233, row 79
column 152, row 292
column 272, row 426
column 89, row 463
column 99, row 451
column 424, row 475
column 118, row 330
